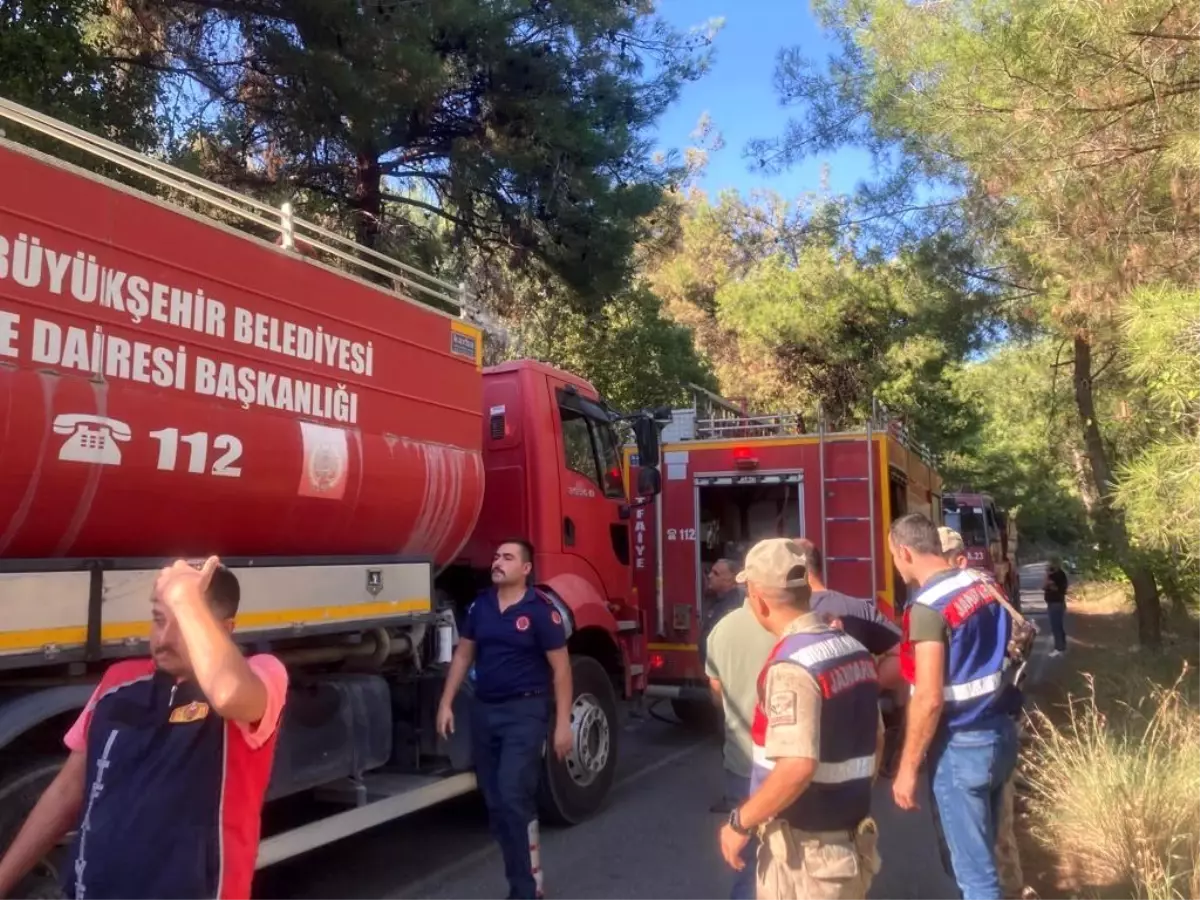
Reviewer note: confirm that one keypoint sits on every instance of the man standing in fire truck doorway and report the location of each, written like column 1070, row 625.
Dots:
column 817, row 738
column 955, row 652
column 517, row 642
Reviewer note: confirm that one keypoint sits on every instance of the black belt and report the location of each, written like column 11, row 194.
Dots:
column 523, row 696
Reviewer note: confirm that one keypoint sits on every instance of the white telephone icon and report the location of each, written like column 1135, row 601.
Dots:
column 93, row 438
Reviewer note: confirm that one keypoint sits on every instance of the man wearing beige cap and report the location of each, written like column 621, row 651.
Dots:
column 817, row 737
column 952, row 547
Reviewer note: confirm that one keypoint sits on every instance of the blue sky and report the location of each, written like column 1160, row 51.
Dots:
column 739, row 95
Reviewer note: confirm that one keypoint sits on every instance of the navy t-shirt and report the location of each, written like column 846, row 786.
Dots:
column 861, row 619
column 511, row 647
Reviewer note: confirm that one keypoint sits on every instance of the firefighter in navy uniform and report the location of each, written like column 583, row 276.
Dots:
column 817, row 736
column 518, row 644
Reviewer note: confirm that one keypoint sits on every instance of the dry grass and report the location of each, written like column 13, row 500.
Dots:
column 1101, row 598
column 1114, row 764
column 1121, row 797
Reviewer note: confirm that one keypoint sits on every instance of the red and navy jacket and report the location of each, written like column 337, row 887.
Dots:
column 839, row 796
column 173, row 793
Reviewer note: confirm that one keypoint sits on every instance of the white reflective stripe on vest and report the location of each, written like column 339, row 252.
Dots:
column 972, row 690
column 958, row 582
column 827, row 773
column 842, row 645
column 846, row 770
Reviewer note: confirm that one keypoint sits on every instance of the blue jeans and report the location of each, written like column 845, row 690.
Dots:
column 508, row 738
column 1058, row 624
column 745, row 883
column 967, row 772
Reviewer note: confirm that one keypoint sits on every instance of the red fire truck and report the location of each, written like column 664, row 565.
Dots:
column 171, row 386
column 730, row 479
column 989, row 535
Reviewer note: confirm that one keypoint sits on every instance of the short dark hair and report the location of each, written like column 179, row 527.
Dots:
column 811, row 554
column 918, row 533
column 224, row 593
column 526, row 548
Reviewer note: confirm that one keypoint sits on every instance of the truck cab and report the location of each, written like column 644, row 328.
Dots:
column 985, row 531
column 552, row 460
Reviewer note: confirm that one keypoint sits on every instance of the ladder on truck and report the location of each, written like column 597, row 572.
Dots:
column 851, row 489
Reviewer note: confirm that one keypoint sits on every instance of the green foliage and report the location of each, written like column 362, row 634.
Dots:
column 633, row 355
column 55, row 56
column 1065, row 124
column 520, row 125
column 794, row 318
column 1060, row 136
column 1159, row 488
column 1023, row 453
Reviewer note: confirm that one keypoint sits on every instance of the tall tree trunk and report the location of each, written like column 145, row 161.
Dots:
column 1083, row 479
column 368, row 199
column 1110, row 523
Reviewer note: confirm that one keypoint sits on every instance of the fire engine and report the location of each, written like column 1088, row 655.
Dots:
column 173, row 386
column 730, row 479
column 989, row 535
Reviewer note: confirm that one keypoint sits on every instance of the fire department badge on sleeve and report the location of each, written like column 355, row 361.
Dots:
column 192, row 712
column 522, row 623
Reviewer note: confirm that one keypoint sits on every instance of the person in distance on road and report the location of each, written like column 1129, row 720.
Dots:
column 817, row 738
column 517, row 642
column 738, row 648
column 1054, row 591
column 169, row 761
column 1008, row 853
column 956, row 638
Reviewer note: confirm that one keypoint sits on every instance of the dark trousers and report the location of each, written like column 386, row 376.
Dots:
column 1058, row 624
column 509, row 738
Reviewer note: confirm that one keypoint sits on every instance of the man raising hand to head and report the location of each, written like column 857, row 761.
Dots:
column 169, row 760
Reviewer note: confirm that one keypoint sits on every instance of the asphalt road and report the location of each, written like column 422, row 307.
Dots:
column 654, row 838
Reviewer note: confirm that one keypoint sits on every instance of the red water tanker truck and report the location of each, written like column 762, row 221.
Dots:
column 172, row 386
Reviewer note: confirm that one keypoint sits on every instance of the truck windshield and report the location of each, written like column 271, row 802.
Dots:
column 591, row 449
column 969, row 523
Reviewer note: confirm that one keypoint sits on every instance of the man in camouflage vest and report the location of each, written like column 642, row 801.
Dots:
column 817, row 736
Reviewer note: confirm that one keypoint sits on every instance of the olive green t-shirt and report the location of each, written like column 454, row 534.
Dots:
column 926, row 623
column 738, row 648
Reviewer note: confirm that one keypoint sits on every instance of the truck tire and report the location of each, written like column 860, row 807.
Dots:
column 19, row 793
column 571, row 791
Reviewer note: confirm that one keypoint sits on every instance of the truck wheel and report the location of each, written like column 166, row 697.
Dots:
column 699, row 715
column 571, row 791
column 19, row 793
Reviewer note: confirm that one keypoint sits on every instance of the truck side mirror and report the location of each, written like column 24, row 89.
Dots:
column 645, row 433
column 649, row 482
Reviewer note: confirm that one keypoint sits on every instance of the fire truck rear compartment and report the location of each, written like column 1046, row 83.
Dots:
column 735, row 516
